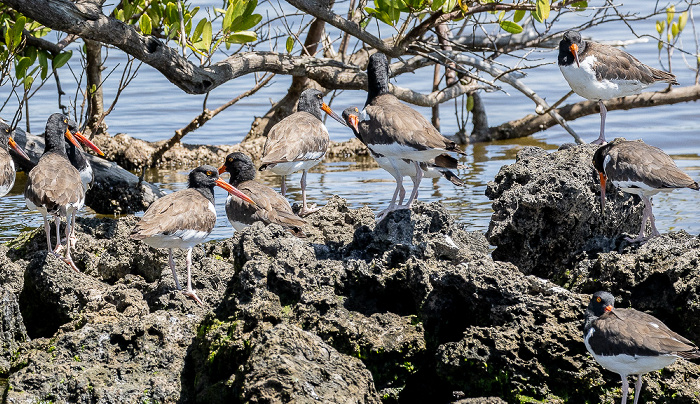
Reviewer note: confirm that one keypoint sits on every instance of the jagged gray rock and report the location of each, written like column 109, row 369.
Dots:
column 547, row 211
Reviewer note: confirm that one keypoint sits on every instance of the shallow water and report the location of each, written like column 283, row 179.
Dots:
column 151, row 108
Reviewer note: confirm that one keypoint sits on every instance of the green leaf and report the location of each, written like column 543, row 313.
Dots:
column 28, row 81
column 580, row 5
column 470, row 103
column 242, row 37
column 660, row 25
column 17, row 31
column 670, row 13
column 145, row 24
column 206, row 35
column 511, row 27
column 171, row 13
column 198, row 30
column 437, row 4
column 248, row 22
column 682, row 20
column 43, row 63
column 128, row 10
column 674, row 29
column 449, row 6
column 661, row 45
column 543, row 9
column 250, row 7
column 61, row 59
column 290, row 44
column 518, row 15
column 21, row 65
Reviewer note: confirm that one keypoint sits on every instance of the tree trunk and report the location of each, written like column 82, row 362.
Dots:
column 93, row 71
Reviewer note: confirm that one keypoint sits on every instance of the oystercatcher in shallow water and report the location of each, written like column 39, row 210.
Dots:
column 640, row 169
column 398, row 132
column 439, row 167
column 600, row 72
column 631, row 342
column 299, row 142
column 7, row 165
column 184, row 219
column 53, row 185
column 270, row 207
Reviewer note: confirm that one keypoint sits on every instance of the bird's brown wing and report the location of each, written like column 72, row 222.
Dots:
column 615, row 64
column 182, row 210
column 300, row 136
column 391, row 121
column 271, row 206
column 54, row 182
column 658, row 168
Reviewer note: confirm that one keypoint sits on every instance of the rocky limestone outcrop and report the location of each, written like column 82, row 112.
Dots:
column 410, row 310
column 547, row 211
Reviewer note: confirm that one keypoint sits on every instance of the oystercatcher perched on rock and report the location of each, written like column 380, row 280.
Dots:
column 270, row 207
column 77, row 158
column 184, row 218
column 631, row 342
column 640, row 169
column 7, row 165
column 439, row 167
column 601, row 72
column 398, row 132
column 299, row 142
column 53, row 185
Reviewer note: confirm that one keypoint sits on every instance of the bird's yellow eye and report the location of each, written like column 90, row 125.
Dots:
column 65, row 120
column 356, row 110
column 230, row 159
column 208, row 172
column 598, row 299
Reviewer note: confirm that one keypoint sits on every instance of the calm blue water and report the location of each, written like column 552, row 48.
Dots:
column 152, row 108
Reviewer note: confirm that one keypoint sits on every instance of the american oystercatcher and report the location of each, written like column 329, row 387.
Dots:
column 631, row 342
column 7, row 165
column 601, row 72
column 398, row 132
column 270, row 207
column 439, row 167
column 53, row 185
column 184, row 218
column 78, row 160
column 640, row 169
column 299, row 142
column 77, row 157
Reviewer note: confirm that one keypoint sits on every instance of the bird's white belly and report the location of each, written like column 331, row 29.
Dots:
column 398, row 151
column 4, row 189
column 294, row 166
column 238, row 226
column 639, row 188
column 634, row 365
column 179, row 239
column 584, row 83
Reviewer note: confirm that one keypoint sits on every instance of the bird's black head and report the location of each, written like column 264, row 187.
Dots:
column 203, row 177
column 4, row 135
column 600, row 303
column 351, row 116
column 311, row 101
column 570, row 47
column 599, row 156
column 56, row 129
column 377, row 76
column 240, row 166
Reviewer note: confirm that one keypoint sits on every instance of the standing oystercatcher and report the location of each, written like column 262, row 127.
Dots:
column 184, row 219
column 299, row 142
column 7, row 165
column 601, row 72
column 79, row 161
column 631, row 342
column 398, row 132
column 640, row 169
column 439, row 167
column 270, row 207
column 53, row 185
